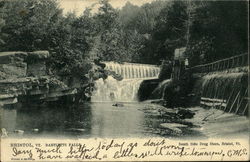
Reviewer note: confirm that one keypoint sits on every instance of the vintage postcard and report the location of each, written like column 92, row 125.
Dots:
column 124, row 80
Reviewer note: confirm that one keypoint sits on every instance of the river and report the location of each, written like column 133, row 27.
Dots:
column 130, row 118
column 98, row 119
column 101, row 119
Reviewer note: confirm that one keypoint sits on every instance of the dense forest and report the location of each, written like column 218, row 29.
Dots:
column 210, row 30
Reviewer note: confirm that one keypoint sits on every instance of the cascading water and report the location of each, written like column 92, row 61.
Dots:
column 226, row 91
column 125, row 90
column 160, row 90
column 117, row 91
column 133, row 70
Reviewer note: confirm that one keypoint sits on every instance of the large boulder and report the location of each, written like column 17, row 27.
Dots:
column 147, row 88
column 13, row 65
column 21, row 64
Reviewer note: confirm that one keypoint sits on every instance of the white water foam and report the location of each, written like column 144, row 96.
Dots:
column 117, row 91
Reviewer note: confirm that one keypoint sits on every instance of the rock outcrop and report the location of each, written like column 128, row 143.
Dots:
column 24, row 78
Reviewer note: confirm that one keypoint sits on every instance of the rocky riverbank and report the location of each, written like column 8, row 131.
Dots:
column 197, row 122
column 25, row 78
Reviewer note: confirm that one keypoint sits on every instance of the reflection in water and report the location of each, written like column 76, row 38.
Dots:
column 87, row 120
column 8, row 119
column 130, row 120
column 116, row 121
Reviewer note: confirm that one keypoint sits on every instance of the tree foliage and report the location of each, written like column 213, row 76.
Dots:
column 169, row 32
column 210, row 30
column 218, row 30
column 28, row 24
column 2, row 21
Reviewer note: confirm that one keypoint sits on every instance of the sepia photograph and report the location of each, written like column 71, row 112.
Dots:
column 113, row 80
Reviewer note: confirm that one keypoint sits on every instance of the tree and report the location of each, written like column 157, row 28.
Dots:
column 145, row 21
column 70, row 47
column 218, row 30
column 40, row 25
column 27, row 23
column 127, row 16
column 168, row 34
column 108, row 38
column 106, row 17
column 2, row 21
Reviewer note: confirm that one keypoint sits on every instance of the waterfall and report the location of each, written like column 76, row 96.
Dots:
column 117, row 91
column 125, row 90
column 225, row 91
column 133, row 70
column 160, row 90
